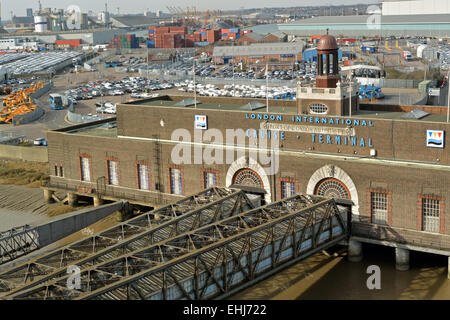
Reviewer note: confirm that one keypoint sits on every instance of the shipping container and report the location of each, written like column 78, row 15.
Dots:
column 201, row 44
column 72, row 43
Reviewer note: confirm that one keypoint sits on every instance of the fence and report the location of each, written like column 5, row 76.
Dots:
column 80, row 118
column 101, row 57
column 36, row 114
column 42, row 91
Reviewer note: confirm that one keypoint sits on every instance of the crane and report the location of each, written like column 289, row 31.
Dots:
column 206, row 19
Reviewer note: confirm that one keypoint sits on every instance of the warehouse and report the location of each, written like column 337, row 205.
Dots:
column 90, row 37
column 262, row 52
column 429, row 25
column 393, row 165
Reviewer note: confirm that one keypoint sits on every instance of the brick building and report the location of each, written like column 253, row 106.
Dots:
column 395, row 170
column 263, row 52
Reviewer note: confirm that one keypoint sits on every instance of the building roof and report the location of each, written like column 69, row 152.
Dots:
column 362, row 19
column 327, row 42
column 258, row 49
column 265, row 28
column 277, row 34
column 255, row 36
column 134, row 20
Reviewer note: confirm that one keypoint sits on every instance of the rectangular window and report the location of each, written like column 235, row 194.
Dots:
column 113, row 172
column 143, row 177
column 379, row 205
column 175, row 181
column 210, row 179
column 430, row 215
column 85, row 165
column 287, row 189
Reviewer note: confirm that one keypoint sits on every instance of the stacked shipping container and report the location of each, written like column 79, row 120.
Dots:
column 126, row 41
column 178, row 37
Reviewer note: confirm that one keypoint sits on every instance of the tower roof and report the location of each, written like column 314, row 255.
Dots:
column 327, row 42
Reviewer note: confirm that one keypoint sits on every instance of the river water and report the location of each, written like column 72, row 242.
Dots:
column 329, row 275
column 426, row 279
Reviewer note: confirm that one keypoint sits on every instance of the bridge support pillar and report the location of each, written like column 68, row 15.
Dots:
column 73, row 199
column 98, row 201
column 355, row 251
column 448, row 269
column 48, row 195
column 401, row 259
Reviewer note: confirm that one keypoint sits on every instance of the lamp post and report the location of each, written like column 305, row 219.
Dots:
column 351, row 88
column 195, row 87
column 448, row 97
column 267, row 88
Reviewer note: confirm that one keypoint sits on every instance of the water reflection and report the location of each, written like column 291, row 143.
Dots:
column 427, row 278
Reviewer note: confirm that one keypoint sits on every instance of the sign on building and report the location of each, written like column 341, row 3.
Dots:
column 201, row 122
column 435, row 138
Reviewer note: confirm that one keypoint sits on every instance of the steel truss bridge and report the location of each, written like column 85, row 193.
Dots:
column 207, row 246
column 157, row 225
column 17, row 242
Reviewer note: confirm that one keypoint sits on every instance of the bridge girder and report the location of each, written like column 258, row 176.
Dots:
column 213, row 256
column 183, row 216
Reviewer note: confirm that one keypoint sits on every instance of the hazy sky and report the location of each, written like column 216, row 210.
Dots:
column 135, row 6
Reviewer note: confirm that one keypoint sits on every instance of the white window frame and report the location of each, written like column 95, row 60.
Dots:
column 320, row 105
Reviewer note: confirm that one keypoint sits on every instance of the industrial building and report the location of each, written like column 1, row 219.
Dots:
column 436, row 25
column 422, row 18
column 263, row 52
column 392, row 164
column 88, row 37
column 253, row 37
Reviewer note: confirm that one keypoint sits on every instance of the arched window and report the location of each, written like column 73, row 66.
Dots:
column 318, row 108
column 332, row 188
column 248, row 177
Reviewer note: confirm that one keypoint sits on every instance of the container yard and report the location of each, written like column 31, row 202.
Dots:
column 124, row 41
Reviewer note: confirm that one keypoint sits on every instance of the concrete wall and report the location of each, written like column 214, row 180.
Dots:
column 36, row 114
column 36, row 154
column 28, row 117
column 61, row 227
column 42, row 91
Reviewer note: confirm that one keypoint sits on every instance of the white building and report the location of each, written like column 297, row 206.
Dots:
column 415, row 7
column 9, row 44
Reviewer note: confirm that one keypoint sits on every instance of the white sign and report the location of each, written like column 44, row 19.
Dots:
column 435, row 138
column 201, row 122
column 434, row 92
column 308, row 129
